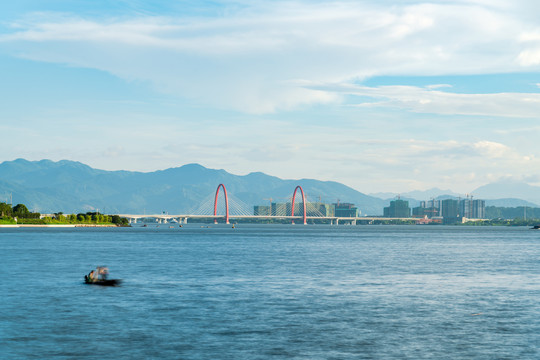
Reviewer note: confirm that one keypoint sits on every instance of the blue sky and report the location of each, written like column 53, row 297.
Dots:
column 384, row 96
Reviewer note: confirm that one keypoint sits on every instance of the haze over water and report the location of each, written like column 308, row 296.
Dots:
column 272, row 292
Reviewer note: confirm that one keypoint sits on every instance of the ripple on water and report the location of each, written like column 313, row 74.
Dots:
column 265, row 292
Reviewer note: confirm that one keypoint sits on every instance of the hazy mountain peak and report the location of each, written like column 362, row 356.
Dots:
column 192, row 166
column 508, row 188
column 430, row 193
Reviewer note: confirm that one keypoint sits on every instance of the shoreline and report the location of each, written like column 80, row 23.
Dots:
column 52, row 225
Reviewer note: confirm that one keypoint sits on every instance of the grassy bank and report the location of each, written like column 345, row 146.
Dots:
column 7, row 221
column 66, row 220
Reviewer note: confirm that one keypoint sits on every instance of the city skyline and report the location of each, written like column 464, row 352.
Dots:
column 389, row 96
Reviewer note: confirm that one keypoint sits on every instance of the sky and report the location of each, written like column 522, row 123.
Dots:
column 381, row 95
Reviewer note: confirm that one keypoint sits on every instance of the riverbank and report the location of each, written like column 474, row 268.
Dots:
column 53, row 225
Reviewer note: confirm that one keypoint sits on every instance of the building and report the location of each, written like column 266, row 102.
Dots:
column 317, row 209
column 450, row 211
column 432, row 208
column 478, row 209
column 345, row 210
column 465, row 208
column 326, row 210
column 281, row 209
column 472, row 209
column 419, row 212
column 262, row 210
column 398, row 209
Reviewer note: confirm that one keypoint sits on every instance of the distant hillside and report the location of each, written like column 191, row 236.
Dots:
column 520, row 212
column 509, row 189
column 510, row 203
column 418, row 195
column 72, row 187
column 428, row 194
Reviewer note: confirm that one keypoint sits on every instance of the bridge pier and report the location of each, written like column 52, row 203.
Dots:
column 185, row 220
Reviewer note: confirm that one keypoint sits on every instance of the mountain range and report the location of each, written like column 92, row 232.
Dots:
column 71, row 187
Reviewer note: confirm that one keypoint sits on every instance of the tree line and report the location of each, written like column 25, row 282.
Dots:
column 21, row 215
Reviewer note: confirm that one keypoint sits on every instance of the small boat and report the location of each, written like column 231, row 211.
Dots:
column 535, row 227
column 100, row 277
column 108, row 282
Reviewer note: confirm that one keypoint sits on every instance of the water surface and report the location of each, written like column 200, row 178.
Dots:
column 272, row 292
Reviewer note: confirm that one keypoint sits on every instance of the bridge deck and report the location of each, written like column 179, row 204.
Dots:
column 269, row 217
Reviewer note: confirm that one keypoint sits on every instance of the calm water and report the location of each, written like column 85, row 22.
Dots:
column 272, row 292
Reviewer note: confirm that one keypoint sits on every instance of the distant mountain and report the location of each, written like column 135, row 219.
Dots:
column 72, row 187
column 428, row 194
column 510, row 203
column 493, row 194
column 385, row 195
column 418, row 195
column 509, row 190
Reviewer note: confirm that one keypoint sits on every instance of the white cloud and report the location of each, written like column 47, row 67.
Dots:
column 254, row 59
column 270, row 56
column 425, row 100
column 492, row 149
column 530, row 56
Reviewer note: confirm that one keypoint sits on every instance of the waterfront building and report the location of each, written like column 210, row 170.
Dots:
column 420, row 212
column 314, row 209
column 324, row 209
column 281, row 209
column 398, row 209
column 465, row 208
column 284, row 209
column 262, row 210
column 478, row 209
column 472, row 209
column 450, row 211
column 432, row 208
column 345, row 210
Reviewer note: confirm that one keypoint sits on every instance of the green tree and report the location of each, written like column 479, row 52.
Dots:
column 5, row 210
column 21, row 211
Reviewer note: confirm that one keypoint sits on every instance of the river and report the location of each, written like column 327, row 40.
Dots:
column 271, row 292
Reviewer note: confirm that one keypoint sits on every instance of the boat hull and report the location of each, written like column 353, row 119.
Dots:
column 111, row 282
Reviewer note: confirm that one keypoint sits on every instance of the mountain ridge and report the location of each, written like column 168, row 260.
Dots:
column 72, row 186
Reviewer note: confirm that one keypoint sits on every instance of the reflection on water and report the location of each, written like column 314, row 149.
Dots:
column 261, row 292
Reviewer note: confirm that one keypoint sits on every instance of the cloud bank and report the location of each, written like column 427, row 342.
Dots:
column 258, row 58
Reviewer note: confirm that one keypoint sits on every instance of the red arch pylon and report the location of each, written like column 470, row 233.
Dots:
column 226, row 203
column 303, row 203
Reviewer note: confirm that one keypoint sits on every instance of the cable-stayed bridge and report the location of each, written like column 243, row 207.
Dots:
column 297, row 210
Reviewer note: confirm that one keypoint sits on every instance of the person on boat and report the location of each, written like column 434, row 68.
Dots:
column 91, row 276
column 103, row 273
